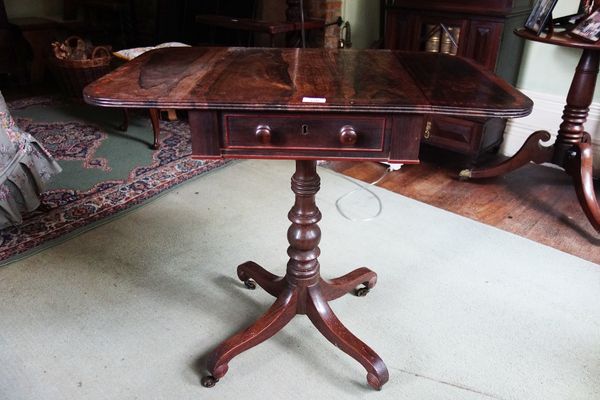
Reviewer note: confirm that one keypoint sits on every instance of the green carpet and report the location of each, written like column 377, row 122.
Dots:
column 123, row 150
column 105, row 171
column 461, row 310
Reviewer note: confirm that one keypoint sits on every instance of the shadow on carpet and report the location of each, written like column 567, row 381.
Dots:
column 105, row 171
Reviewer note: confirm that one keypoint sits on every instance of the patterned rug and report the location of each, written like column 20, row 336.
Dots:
column 105, row 171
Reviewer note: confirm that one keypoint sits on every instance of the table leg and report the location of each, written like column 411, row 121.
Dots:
column 301, row 290
column 531, row 150
column 155, row 118
column 579, row 166
column 345, row 284
column 251, row 274
column 331, row 327
column 125, row 124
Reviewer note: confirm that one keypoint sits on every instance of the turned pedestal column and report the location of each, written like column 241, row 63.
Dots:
column 302, row 290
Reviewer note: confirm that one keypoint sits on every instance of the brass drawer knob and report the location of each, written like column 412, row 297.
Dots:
column 348, row 135
column 263, row 133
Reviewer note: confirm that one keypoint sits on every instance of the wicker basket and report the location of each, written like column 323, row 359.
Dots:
column 74, row 75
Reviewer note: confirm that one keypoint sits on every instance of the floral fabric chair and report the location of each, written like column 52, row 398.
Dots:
column 25, row 168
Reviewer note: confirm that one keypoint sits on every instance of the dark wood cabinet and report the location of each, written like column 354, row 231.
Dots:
column 481, row 30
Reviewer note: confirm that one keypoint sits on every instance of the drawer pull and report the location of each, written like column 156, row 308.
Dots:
column 263, row 133
column 348, row 135
column 427, row 134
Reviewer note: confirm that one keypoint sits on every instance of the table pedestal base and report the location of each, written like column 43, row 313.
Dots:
column 572, row 149
column 301, row 290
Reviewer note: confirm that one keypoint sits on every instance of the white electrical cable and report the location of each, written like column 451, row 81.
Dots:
column 338, row 203
column 361, row 187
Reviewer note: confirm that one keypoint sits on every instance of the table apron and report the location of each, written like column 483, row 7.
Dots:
column 310, row 135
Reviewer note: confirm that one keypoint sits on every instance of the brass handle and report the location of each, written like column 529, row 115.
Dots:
column 348, row 135
column 427, row 133
column 263, row 133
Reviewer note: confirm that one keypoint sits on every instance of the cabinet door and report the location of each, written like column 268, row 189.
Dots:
column 398, row 32
column 484, row 42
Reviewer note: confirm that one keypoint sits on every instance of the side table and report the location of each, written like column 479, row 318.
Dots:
column 572, row 149
column 259, row 103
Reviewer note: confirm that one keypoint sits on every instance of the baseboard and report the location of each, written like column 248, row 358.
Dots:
column 546, row 115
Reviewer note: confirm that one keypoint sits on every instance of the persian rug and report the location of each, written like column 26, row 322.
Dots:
column 105, row 171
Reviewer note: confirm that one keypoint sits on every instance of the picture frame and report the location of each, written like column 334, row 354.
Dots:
column 589, row 28
column 540, row 16
column 568, row 21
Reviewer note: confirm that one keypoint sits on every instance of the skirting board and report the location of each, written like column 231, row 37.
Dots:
column 546, row 115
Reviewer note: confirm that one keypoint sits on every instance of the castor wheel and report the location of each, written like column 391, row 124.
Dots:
column 250, row 284
column 209, row 381
column 362, row 291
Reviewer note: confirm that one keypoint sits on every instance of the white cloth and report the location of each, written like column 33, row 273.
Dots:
column 130, row 54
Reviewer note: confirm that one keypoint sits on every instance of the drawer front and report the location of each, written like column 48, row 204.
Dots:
column 453, row 133
column 305, row 132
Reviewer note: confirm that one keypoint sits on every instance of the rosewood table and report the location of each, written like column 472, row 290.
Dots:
column 306, row 104
column 572, row 149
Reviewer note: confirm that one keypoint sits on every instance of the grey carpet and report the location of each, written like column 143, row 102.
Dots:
column 461, row 310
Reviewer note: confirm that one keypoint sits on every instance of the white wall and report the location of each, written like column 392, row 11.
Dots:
column 363, row 16
column 547, row 68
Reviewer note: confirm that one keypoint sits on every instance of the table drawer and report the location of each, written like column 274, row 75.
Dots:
column 305, row 132
column 454, row 133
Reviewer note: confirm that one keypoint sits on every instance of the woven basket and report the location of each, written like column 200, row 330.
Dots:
column 74, row 75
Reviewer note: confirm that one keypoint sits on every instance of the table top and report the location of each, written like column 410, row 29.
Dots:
column 322, row 80
column 557, row 38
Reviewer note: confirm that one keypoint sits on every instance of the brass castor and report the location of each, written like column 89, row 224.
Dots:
column 209, row 381
column 250, row 284
column 362, row 291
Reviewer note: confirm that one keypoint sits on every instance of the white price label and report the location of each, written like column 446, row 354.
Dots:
column 314, row 100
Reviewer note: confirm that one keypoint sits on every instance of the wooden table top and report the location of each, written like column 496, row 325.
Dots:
column 322, row 80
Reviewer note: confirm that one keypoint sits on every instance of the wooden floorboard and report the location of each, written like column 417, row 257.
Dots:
column 535, row 202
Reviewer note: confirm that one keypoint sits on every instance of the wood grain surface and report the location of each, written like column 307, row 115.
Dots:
column 282, row 79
